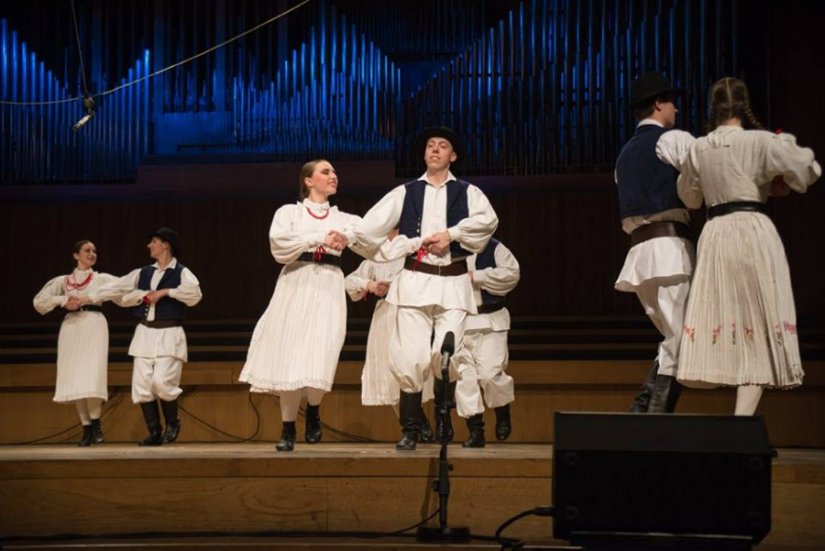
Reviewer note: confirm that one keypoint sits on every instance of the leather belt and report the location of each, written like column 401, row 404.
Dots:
column 490, row 308
column 458, row 267
column 161, row 324
column 659, row 229
column 90, row 308
column 736, row 206
column 321, row 259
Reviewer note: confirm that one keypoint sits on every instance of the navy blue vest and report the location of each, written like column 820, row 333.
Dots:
column 457, row 210
column 487, row 259
column 646, row 184
column 166, row 308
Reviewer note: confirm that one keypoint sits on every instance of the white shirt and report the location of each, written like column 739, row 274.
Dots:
column 418, row 289
column 498, row 281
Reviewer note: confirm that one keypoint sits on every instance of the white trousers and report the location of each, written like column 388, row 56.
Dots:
column 415, row 350
column 665, row 306
column 488, row 355
column 154, row 378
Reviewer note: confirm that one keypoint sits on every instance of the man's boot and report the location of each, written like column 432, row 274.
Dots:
column 425, row 431
column 665, row 394
column 642, row 400
column 170, row 415
column 503, row 427
column 410, row 417
column 151, row 414
column 97, row 432
column 448, row 426
column 312, row 432
column 475, row 424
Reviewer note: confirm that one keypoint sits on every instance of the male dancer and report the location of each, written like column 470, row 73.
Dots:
column 661, row 257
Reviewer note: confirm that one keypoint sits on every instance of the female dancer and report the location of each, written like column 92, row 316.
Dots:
column 740, row 324
column 296, row 343
column 83, row 342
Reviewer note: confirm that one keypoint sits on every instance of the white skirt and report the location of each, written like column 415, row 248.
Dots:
column 740, row 324
column 297, row 341
column 82, row 357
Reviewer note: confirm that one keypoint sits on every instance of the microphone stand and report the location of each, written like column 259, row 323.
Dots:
column 442, row 532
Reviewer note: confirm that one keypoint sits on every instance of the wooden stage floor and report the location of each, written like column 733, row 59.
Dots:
column 192, row 496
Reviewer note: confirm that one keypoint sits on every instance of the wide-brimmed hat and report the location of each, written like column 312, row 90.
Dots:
column 439, row 132
column 651, row 85
column 169, row 236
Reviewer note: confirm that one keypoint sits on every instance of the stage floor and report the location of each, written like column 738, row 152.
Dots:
column 181, row 492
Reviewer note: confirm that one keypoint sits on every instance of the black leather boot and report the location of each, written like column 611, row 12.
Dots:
column 448, row 426
column 425, row 431
column 312, row 434
column 410, row 406
column 97, row 432
column 287, row 441
column 151, row 414
column 665, row 394
column 86, row 439
column 475, row 424
column 642, row 400
column 170, row 415
column 503, row 427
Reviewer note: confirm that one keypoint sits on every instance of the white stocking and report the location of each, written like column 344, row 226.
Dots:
column 95, row 406
column 83, row 411
column 747, row 398
column 290, row 402
column 314, row 396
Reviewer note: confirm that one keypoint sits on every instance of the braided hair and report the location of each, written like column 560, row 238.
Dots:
column 729, row 99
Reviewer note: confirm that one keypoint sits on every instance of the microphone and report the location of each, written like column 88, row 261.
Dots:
column 448, row 346
column 89, row 104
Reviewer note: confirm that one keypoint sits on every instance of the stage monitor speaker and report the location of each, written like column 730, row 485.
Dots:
column 699, row 478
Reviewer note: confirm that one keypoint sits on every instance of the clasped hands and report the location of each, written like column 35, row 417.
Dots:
column 437, row 243
column 378, row 288
column 74, row 303
column 336, row 241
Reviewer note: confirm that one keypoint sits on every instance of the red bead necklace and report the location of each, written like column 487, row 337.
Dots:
column 317, row 217
column 72, row 283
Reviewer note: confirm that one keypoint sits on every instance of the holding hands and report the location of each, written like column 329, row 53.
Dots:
column 336, row 240
column 437, row 243
column 378, row 288
column 152, row 297
column 74, row 303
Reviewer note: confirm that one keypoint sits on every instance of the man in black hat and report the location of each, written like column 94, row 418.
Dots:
column 160, row 293
column 660, row 262
column 442, row 221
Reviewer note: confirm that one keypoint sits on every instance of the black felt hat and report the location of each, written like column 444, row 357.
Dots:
column 169, row 236
column 649, row 86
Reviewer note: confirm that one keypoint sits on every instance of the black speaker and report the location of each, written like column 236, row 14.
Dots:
column 646, row 477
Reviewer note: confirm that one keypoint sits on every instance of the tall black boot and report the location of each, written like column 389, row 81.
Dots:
column 642, row 400
column 665, row 394
column 86, row 439
column 410, row 417
column 475, row 424
column 448, row 426
column 151, row 414
column 170, row 415
column 312, row 434
column 287, row 441
column 503, row 426
column 425, row 431
column 97, row 432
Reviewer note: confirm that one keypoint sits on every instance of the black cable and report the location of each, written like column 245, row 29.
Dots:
column 351, row 437
column 86, row 93
column 507, row 543
column 115, row 401
column 219, row 431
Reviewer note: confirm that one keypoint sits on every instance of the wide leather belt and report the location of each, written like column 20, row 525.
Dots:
column 321, row 259
column 736, row 206
column 490, row 308
column 161, row 324
column 659, row 229
column 456, row 268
